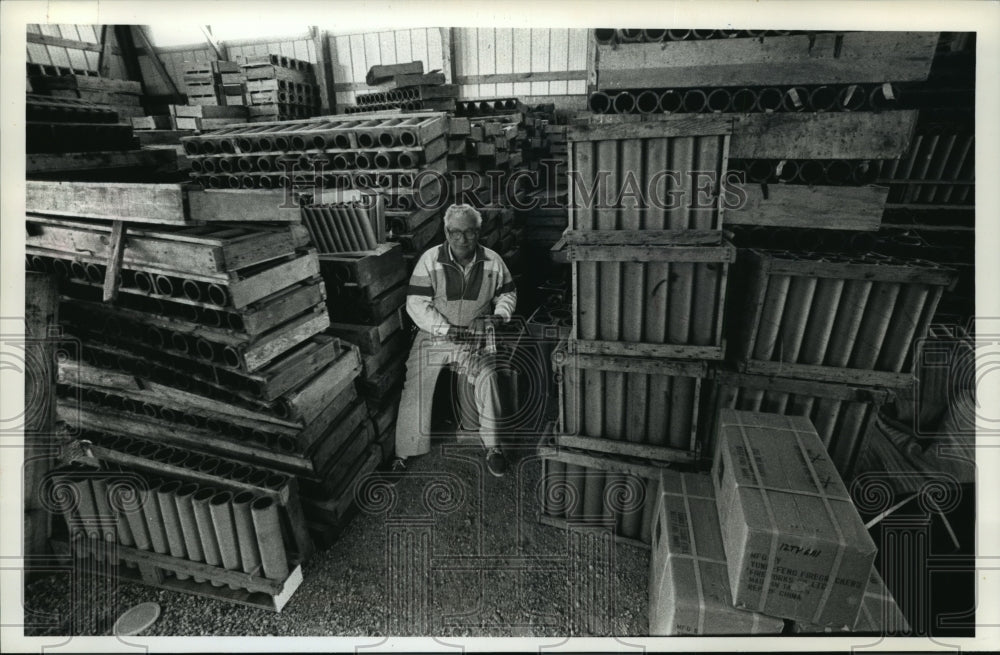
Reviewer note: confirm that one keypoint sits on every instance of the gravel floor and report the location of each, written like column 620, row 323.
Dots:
column 450, row 551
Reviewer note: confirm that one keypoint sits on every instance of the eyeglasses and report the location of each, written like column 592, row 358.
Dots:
column 469, row 234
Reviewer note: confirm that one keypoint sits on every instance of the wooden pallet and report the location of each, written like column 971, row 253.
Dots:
column 159, row 571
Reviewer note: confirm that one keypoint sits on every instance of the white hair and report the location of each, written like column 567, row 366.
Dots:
column 458, row 210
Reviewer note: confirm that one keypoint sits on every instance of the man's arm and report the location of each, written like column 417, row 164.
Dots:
column 420, row 300
column 505, row 297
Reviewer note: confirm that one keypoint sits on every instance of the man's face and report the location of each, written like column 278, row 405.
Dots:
column 462, row 235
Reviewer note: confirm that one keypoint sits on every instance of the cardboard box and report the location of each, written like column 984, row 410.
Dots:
column 689, row 581
column 795, row 544
column 879, row 613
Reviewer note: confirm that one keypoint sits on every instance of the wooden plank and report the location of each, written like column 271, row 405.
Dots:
column 57, row 42
column 888, row 272
column 823, row 135
column 611, row 128
column 853, row 376
column 380, row 73
column 81, row 161
column 640, row 253
column 626, row 448
column 110, row 291
column 639, row 237
column 241, row 205
column 268, row 281
column 87, row 83
column 629, row 364
column 629, row 349
column 601, row 461
column 816, row 207
column 278, row 341
column 538, row 76
column 144, row 203
column 852, row 57
column 834, row 390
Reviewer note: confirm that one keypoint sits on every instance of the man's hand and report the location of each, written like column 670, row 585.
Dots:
column 480, row 324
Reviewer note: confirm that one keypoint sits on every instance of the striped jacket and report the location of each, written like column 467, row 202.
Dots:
column 442, row 295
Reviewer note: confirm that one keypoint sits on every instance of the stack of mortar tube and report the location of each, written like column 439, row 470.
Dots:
column 487, row 107
column 190, row 522
column 741, row 100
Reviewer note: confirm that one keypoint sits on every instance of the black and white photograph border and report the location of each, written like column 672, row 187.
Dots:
column 442, row 556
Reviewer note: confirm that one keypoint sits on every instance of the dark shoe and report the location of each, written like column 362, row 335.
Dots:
column 396, row 471
column 496, row 462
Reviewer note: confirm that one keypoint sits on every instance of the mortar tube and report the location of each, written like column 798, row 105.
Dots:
column 179, row 342
column 694, row 101
column 386, row 139
column 94, row 273
column 623, row 103
column 678, row 35
column 366, row 140
column 164, row 286
column 851, row 98
column 281, row 143
column 647, row 102
column 266, row 182
column 653, row 36
column 823, row 316
column 341, row 141
column 216, row 182
column 898, row 343
column 242, row 472
column 605, row 36
column 209, row 165
column 154, row 337
column 206, row 529
column 744, row 100
column 600, row 102
column 384, row 160
column 164, row 498
column 865, row 172
column 234, row 182
column 769, row 99
column 137, row 526
column 231, row 357
column 823, row 98
column 217, row 294
column 60, row 268
column 298, row 142
column 874, row 325
column 789, row 170
column 267, row 528
column 244, row 144
column 191, row 290
column 682, row 401
column 227, row 146
column 204, row 349
column 770, row 317
column 838, row 172
column 849, row 316
column 811, row 171
column 192, row 148
column 367, row 231
column 719, row 100
column 798, row 307
column 226, row 164
column 77, row 270
column 362, row 161
column 208, row 148
column 220, row 508
column 154, row 521
column 330, row 226
column 246, row 538
column 276, row 481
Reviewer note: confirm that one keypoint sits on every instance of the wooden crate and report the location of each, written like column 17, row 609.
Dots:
column 369, row 338
column 841, row 413
column 833, row 317
column 648, row 293
column 633, row 406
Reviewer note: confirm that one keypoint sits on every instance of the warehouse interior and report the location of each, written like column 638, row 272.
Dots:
column 738, row 388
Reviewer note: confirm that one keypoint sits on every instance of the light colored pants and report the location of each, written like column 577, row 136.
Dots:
column 428, row 357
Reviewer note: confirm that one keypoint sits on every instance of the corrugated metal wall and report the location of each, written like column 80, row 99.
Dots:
column 351, row 55
column 64, row 54
column 502, row 62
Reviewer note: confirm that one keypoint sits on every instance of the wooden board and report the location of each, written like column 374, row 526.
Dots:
column 306, row 402
column 825, row 135
column 135, row 203
column 852, row 376
column 242, row 205
column 156, row 160
column 628, row 349
column 831, row 58
column 627, row 449
column 816, row 207
column 369, row 338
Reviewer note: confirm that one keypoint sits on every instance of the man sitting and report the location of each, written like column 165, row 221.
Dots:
column 456, row 289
